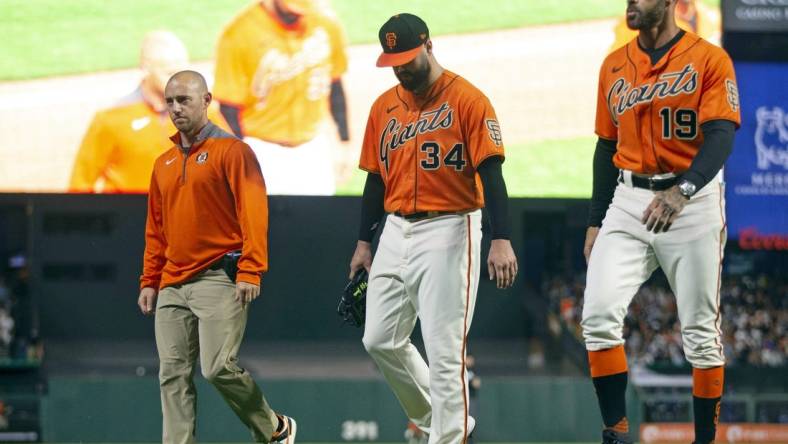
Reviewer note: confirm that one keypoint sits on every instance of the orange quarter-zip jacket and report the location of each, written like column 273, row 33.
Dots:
column 204, row 202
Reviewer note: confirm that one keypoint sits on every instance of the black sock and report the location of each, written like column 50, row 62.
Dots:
column 611, row 394
column 707, row 412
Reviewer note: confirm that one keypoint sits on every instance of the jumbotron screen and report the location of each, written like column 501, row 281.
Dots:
column 81, row 106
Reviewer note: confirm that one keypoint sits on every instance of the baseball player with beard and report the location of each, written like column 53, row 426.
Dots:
column 278, row 74
column 433, row 153
column 691, row 15
column 667, row 110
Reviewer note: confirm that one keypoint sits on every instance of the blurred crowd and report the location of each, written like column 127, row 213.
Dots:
column 6, row 321
column 754, row 319
column 18, row 341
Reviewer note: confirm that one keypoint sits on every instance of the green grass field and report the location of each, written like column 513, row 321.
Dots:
column 549, row 168
column 54, row 37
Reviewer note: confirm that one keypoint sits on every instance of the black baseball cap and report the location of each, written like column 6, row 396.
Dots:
column 401, row 38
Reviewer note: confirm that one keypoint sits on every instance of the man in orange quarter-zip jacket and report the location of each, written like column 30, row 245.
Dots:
column 207, row 199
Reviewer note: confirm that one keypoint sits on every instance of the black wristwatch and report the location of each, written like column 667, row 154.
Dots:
column 687, row 188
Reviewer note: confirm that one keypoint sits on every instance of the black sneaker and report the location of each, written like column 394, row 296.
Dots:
column 287, row 433
column 612, row 437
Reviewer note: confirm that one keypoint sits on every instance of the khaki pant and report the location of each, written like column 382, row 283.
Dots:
column 202, row 317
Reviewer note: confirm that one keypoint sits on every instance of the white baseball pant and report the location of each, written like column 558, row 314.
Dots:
column 427, row 269
column 690, row 254
column 307, row 169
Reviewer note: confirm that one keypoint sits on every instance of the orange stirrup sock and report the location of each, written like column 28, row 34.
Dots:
column 706, row 395
column 607, row 362
column 707, row 382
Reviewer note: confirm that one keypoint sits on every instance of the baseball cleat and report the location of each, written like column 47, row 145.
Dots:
column 471, row 426
column 613, row 437
column 287, row 432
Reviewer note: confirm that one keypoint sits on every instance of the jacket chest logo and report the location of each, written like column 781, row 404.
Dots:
column 202, row 157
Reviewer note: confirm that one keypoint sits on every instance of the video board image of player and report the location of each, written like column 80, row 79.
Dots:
column 299, row 96
column 279, row 65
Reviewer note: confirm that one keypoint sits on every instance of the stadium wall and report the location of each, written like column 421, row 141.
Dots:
column 128, row 410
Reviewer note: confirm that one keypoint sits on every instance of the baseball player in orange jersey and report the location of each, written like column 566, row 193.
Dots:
column 667, row 110
column 277, row 65
column 118, row 151
column 433, row 153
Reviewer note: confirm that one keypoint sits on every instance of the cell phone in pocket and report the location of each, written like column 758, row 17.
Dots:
column 230, row 264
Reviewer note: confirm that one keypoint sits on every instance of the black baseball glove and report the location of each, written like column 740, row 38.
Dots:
column 352, row 306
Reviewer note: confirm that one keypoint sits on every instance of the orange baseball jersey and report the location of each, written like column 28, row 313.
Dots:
column 203, row 204
column 655, row 112
column 279, row 76
column 120, row 146
column 427, row 155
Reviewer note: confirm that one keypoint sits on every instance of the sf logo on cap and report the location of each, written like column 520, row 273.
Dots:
column 391, row 40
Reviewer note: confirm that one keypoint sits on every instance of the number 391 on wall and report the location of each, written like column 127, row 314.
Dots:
column 360, row 430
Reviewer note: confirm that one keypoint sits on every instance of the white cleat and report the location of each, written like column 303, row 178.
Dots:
column 471, row 426
column 288, row 433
